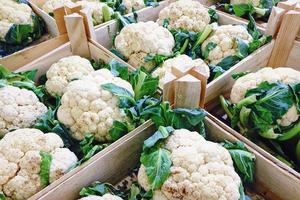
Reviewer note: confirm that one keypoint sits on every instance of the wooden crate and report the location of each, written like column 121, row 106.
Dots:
column 50, row 21
column 78, row 45
column 36, row 49
column 271, row 181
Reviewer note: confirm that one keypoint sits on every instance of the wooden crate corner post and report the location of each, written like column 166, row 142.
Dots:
column 285, row 39
column 186, row 86
column 77, row 35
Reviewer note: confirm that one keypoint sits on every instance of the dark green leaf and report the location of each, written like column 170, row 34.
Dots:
column 228, row 62
column 157, row 164
column 161, row 134
column 244, row 161
column 119, row 129
column 242, row 9
column 209, row 47
column 126, row 99
column 214, row 17
column 100, row 189
column 117, row 53
column 238, row 75
column 143, row 83
column 243, row 48
column 215, row 72
column 2, row 196
column 46, row 160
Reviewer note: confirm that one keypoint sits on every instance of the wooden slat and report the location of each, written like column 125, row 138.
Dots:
column 77, row 35
column 59, row 14
column 169, row 89
column 287, row 5
column 294, row 56
column 88, row 23
column 274, row 21
column 20, row 58
column 187, row 92
column 285, row 39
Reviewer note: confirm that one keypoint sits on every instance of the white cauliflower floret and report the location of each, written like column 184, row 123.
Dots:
column 96, row 9
column 19, row 108
column 86, row 108
column 225, row 39
column 11, row 13
column 21, row 161
column 131, row 5
column 50, row 5
column 64, row 71
column 182, row 61
column 252, row 80
column 104, row 197
column 200, row 170
column 255, row 3
column 135, row 41
column 193, row 17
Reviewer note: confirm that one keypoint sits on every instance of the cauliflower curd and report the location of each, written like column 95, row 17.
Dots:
column 181, row 61
column 12, row 13
column 19, row 108
column 136, row 41
column 64, row 71
column 20, row 161
column 200, row 170
column 193, row 17
column 252, row 80
column 50, row 5
column 86, row 108
column 104, row 197
column 224, row 37
column 131, row 5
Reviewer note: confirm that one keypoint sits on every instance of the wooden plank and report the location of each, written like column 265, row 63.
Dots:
column 77, row 35
column 169, row 88
column 50, row 21
column 88, row 23
column 294, row 57
column 287, row 5
column 59, row 14
column 20, row 58
column 274, row 21
column 285, row 39
column 187, row 92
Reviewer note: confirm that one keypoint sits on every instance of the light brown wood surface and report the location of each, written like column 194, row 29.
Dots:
column 187, row 92
column 274, row 21
column 285, row 39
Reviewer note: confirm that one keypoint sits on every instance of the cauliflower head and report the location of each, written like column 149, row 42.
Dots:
column 86, row 108
column 96, row 10
column 181, row 61
column 19, row 108
column 193, row 17
column 50, row 5
column 20, row 161
column 136, row 41
column 131, row 5
column 12, row 13
column 252, row 80
column 255, row 3
column 225, row 39
column 104, row 197
column 200, row 170
column 64, row 71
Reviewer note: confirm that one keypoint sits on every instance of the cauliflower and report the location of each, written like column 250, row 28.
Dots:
column 104, row 197
column 86, row 108
column 225, row 39
column 50, row 5
column 255, row 3
column 19, row 108
column 12, row 13
column 200, row 170
column 193, row 17
column 20, row 158
column 136, row 41
column 181, row 61
column 252, row 80
column 96, row 9
column 131, row 5
column 64, row 71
